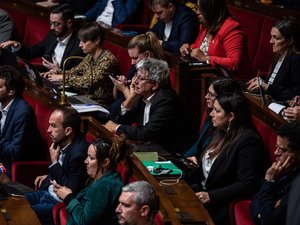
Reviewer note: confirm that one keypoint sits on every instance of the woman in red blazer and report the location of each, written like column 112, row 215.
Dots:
column 221, row 41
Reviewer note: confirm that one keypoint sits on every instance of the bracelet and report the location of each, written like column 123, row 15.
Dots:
column 207, row 59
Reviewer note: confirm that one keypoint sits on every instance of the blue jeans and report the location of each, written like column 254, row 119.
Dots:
column 42, row 203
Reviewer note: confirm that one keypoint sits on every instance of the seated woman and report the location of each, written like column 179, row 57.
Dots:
column 270, row 204
column 98, row 201
column 284, row 80
column 221, row 41
column 232, row 165
column 91, row 76
column 218, row 87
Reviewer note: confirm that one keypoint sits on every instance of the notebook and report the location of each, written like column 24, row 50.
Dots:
column 165, row 165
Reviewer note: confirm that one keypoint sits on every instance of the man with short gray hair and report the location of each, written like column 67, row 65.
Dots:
column 137, row 204
column 154, row 107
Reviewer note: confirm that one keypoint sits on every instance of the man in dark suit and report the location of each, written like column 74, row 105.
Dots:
column 67, row 152
column 20, row 138
column 270, row 204
column 60, row 43
column 7, row 27
column 154, row 107
column 177, row 24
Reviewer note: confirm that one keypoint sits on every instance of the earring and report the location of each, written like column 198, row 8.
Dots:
column 228, row 128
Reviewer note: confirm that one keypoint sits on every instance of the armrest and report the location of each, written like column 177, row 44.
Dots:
column 56, row 212
column 26, row 172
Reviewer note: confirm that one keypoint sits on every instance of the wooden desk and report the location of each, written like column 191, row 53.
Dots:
column 263, row 112
column 183, row 200
column 18, row 209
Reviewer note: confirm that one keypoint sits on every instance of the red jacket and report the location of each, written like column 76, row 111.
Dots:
column 228, row 49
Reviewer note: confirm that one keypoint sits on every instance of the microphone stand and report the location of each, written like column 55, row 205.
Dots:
column 63, row 97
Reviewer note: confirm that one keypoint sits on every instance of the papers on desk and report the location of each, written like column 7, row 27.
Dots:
column 47, row 4
column 277, row 108
column 81, row 108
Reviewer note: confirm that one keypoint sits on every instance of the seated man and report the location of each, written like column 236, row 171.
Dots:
column 270, row 204
column 20, row 139
column 113, row 12
column 60, row 43
column 67, row 152
column 7, row 27
column 138, row 204
column 154, row 107
column 177, row 24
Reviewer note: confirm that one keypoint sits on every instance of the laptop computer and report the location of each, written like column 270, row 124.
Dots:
column 81, row 100
column 35, row 76
column 16, row 188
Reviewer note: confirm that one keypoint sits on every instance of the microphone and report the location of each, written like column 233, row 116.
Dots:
column 63, row 97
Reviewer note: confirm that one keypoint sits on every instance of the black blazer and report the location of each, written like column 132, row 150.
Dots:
column 286, row 84
column 185, row 29
column 235, row 174
column 293, row 209
column 73, row 171
column 46, row 48
column 166, row 122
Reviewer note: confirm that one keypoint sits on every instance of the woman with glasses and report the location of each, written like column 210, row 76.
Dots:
column 97, row 202
column 218, row 87
column 232, row 164
column 91, row 76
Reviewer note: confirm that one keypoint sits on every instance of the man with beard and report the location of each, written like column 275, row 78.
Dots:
column 20, row 139
column 67, row 153
column 137, row 204
column 60, row 43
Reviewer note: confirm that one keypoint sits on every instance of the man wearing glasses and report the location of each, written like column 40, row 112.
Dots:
column 154, row 107
column 269, row 206
column 60, row 43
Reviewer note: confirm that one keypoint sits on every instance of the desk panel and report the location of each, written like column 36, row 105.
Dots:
column 20, row 212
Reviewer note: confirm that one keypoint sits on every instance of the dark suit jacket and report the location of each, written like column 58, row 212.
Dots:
column 123, row 10
column 46, row 48
column 286, row 84
column 72, row 173
column 293, row 209
column 268, row 196
column 185, row 29
column 165, row 126
column 20, row 139
column 235, row 174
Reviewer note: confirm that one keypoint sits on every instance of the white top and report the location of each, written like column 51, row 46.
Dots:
column 107, row 15
column 4, row 114
column 60, row 49
column 167, row 30
column 207, row 165
column 275, row 71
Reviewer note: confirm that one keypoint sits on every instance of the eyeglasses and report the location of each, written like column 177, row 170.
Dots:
column 211, row 95
column 282, row 150
column 55, row 24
